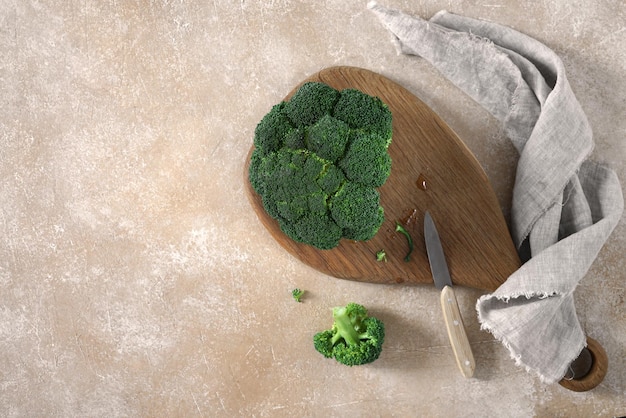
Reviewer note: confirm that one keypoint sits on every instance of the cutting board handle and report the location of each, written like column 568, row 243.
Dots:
column 595, row 354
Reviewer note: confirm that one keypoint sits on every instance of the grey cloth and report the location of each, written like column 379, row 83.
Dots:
column 564, row 205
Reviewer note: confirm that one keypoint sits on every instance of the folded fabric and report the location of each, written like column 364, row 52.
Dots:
column 564, row 206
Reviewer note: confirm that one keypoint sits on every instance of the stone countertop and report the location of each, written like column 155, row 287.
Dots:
column 137, row 281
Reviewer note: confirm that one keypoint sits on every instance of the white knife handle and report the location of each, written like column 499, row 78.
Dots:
column 456, row 332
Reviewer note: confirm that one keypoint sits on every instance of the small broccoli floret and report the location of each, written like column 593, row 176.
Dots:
column 355, row 338
column 259, row 179
column 274, row 128
column 297, row 294
column 331, row 179
column 362, row 111
column 381, row 255
column 286, row 180
column 356, row 209
column 294, row 139
column 316, row 166
column 318, row 231
column 328, row 138
column 312, row 101
column 323, row 343
column 366, row 160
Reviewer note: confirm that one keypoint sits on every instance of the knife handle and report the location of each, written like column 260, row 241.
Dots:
column 456, row 332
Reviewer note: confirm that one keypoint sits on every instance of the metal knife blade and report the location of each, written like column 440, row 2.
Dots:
column 451, row 314
column 436, row 257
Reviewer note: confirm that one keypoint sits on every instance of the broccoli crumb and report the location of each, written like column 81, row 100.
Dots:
column 297, row 294
column 381, row 256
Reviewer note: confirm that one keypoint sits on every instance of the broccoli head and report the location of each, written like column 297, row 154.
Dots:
column 318, row 161
column 355, row 338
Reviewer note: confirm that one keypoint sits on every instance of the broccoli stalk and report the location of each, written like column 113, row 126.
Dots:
column 345, row 327
column 403, row 231
column 355, row 338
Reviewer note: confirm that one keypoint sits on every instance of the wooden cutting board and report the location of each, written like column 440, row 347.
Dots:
column 432, row 170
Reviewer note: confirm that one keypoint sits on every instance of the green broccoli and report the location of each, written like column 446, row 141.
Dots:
column 273, row 129
column 409, row 240
column 355, row 337
column 319, row 231
column 318, row 161
column 331, row 179
column 310, row 103
column 366, row 160
column 355, row 208
column 328, row 138
column 381, row 255
column 361, row 111
column 297, row 294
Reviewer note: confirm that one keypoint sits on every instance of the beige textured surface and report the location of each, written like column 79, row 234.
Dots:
column 135, row 279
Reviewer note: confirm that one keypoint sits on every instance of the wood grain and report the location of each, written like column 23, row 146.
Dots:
column 599, row 368
column 432, row 170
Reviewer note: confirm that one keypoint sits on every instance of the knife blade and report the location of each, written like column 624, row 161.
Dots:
column 451, row 314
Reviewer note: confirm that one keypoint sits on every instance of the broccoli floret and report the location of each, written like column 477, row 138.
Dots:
column 312, row 101
column 318, row 231
column 297, row 294
column 355, row 338
column 316, row 172
column 356, row 209
column 257, row 166
column 294, row 139
column 328, row 138
column 274, row 128
column 362, row 111
column 286, row 181
column 381, row 255
column 331, row 179
column 366, row 160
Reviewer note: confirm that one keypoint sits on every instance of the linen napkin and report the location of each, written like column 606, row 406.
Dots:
column 564, row 206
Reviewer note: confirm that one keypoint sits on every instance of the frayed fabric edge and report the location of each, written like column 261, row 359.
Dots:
column 395, row 41
column 515, row 295
column 517, row 357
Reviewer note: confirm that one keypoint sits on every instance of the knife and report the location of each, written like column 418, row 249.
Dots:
column 451, row 314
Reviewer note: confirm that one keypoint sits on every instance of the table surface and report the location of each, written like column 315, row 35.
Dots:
column 137, row 281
